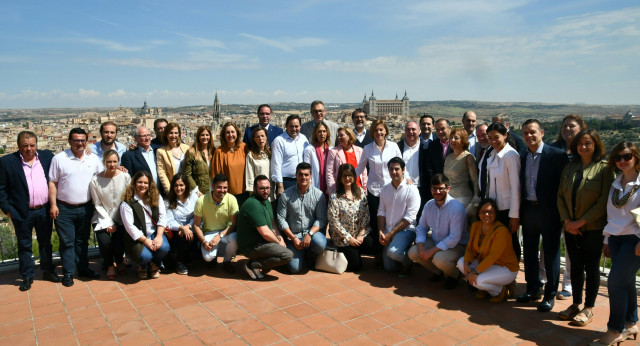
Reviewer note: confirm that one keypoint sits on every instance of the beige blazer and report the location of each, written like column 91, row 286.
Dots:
column 166, row 166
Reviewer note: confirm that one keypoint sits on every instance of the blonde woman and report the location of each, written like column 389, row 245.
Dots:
column 198, row 159
column 170, row 158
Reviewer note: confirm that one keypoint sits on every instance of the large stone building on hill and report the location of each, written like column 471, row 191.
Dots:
column 383, row 108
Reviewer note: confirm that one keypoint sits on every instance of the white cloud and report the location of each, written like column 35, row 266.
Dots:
column 287, row 44
column 117, row 46
column 107, row 22
column 202, row 42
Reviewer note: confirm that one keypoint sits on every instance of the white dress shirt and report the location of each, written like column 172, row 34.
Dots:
column 411, row 159
column 620, row 221
column 377, row 160
column 127, row 218
column 448, row 224
column 150, row 158
column 73, row 176
column 398, row 204
column 286, row 154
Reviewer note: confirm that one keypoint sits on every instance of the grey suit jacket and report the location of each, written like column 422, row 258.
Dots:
column 307, row 128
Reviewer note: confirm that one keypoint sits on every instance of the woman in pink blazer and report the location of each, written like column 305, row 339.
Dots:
column 344, row 152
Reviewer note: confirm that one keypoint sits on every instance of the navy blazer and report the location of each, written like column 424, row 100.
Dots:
column 433, row 164
column 14, row 191
column 134, row 162
column 272, row 133
column 552, row 163
column 367, row 139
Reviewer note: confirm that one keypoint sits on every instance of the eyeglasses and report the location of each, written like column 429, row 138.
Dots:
column 439, row 189
column 626, row 157
column 79, row 140
column 144, row 136
column 486, row 212
column 264, row 188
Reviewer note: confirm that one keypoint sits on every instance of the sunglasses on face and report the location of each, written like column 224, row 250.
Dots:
column 620, row 157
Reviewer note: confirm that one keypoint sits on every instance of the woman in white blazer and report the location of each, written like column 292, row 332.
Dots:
column 345, row 151
column 503, row 181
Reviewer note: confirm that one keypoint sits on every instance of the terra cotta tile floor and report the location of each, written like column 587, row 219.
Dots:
column 209, row 306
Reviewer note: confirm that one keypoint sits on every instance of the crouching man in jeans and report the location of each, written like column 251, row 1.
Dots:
column 258, row 240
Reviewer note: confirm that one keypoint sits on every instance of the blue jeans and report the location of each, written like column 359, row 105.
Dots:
column 156, row 257
column 40, row 220
column 74, row 226
column 317, row 245
column 623, row 299
column 396, row 254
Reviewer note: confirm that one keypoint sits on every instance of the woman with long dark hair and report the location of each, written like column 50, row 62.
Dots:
column 180, row 203
column 144, row 217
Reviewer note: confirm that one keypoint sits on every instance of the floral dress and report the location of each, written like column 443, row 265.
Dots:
column 347, row 218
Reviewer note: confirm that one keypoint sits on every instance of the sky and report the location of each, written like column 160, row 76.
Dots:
column 179, row 53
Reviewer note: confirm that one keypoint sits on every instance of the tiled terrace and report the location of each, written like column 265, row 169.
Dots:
column 209, row 306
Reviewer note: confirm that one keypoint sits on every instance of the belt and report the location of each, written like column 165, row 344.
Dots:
column 288, row 179
column 38, row 207
column 71, row 205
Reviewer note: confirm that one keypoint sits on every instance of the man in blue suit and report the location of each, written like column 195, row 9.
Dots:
column 143, row 158
column 24, row 197
column 540, row 175
column 264, row 116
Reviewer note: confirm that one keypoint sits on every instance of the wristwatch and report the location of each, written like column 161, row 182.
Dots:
column 310, row 234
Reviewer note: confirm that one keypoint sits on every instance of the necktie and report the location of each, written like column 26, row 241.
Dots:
column 483, row 173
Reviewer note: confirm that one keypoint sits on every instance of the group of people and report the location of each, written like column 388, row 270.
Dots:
column 450, row 199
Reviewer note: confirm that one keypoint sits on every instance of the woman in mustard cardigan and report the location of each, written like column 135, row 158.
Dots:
column 489, row 263
column 170, row 158
column 582, row 203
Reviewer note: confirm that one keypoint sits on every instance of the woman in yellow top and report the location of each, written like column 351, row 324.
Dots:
column 229, row 159
column 582, row 203
column 170, row 158
column 198, row 158
column 489, row 263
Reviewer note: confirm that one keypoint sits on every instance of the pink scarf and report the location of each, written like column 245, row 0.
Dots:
column 322, row 152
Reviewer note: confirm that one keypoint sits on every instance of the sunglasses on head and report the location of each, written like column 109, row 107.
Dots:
column 626, row 157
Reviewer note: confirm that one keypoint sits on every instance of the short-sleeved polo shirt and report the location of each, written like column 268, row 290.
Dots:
column 215, row 217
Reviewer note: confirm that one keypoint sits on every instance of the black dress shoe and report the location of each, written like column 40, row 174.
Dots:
column 436, row 277
column 50, row 276
column 228, row 267
column 88, row 273
column 450, row 283
column 67, row 281
column 546, row 305
column 529, row 297
column 26, row 284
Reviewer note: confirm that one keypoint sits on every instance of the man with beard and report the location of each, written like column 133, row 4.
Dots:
column 258, row 239
column 359, row 119
column 108, row 133
column 447, row 219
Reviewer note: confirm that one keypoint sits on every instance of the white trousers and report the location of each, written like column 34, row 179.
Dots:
column 491, row 280
column 228, row 245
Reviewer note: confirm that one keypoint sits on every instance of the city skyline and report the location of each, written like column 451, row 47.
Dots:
column 95, row 54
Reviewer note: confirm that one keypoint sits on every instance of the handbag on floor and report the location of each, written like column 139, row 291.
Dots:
column 332, row 261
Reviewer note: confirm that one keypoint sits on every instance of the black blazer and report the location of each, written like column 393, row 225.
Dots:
column 552, row 163
column 433, row 164
column 14, row 191
column 134, row 162
column 272, row 133
column 516, row 142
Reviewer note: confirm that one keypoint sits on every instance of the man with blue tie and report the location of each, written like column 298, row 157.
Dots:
column 264, row 117
column 540, row 175
column 24, row 198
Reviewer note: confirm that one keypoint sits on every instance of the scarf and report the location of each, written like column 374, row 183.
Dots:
column 322, row 151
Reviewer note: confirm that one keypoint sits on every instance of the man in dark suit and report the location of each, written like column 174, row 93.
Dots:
column 24, row 197
column 434, row 157
column 359, row 119
column 426, row 130
column 143, row 158
column 264, row 116
column 540, row 175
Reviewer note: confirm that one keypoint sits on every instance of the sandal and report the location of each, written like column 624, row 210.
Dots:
column 155, row 272
column 111, row 273
column 569, row 313
column 583, row 318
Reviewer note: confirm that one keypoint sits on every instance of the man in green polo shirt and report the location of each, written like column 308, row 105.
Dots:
column 258, row 240
column 214, row 222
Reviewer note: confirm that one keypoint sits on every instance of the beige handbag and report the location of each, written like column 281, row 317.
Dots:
column 332, row 261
